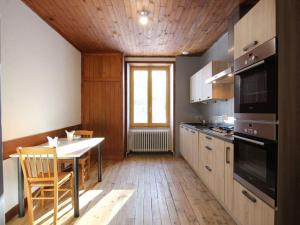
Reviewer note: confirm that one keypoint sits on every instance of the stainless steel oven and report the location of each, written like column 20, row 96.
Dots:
column 256, row 125
column 255, row 166
column 256, row 80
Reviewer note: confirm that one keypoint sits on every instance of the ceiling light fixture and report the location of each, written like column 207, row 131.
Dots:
column 185, row 53
column 144, row 17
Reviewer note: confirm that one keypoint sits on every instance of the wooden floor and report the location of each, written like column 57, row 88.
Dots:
column 141, row 190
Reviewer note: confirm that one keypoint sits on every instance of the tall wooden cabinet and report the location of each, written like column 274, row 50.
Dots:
column 103, row 100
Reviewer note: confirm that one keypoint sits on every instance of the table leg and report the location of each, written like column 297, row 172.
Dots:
column 99, row 163
column 76, row 186
column 21, row 190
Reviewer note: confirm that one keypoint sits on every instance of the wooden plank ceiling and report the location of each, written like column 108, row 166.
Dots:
column 112, row 25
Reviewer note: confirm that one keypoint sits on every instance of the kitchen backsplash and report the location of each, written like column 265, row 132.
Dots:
column 219, row 112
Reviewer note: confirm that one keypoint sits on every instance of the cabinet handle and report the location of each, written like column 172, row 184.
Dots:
column 227, row 155
column 193, row 131
column 252, row 44
column 251, row 198
column 208, row 148
column 209, row 169
column 208, row 137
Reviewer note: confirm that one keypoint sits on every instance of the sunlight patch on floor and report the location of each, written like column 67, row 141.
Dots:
column 107, row 208
column 65, row 209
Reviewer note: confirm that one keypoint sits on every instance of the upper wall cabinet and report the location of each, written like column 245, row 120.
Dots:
column 255, row 28
column 200, row 91
column 102, row 67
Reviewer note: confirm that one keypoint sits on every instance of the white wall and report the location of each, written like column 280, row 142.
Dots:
column 40, row 81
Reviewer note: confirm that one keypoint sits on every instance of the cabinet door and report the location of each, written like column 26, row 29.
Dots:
column 263, row 21
column 192, row 89
column 194, row 150
column 208, row 163
column 218, row 169
column 206, row 72
column 200, row 155
column 102, row 112
column 241, row 207
column 255, row 28
column 181, row 140
column 250, row 210
column 201, row 150
column 228, row 198
column 102, row 67
column 260, row 213
column 188, row 145
column 204, row 160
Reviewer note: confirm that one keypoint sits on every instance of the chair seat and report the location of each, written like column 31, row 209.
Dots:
column 62, row 178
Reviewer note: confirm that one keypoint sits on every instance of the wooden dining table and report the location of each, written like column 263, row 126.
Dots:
column 66, row 150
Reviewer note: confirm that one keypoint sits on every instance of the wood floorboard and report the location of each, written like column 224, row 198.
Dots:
column 140, row 190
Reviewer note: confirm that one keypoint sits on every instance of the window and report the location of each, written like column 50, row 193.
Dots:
column 149, row 96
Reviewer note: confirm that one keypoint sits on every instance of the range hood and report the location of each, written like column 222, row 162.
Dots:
column 224, row 77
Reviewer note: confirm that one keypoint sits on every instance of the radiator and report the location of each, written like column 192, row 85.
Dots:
column 149, row 140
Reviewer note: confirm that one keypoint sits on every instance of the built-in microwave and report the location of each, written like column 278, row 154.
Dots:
column 256, row 80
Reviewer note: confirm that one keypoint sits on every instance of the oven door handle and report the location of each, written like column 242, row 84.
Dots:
column 249, row 140
column 250, row 67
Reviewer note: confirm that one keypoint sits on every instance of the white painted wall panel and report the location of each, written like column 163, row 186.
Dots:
column 40, row 81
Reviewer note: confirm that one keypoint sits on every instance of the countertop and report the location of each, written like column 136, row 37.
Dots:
column 205, row 129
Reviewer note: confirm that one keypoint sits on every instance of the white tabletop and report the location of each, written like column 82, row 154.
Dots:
column 72, row 149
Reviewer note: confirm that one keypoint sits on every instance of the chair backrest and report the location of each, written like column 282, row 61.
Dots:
column 84, row 133
column 38, row 163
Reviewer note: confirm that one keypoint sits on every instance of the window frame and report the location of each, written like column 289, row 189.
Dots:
column 131, row 90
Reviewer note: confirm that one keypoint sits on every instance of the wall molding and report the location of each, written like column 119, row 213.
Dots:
column 9, row 147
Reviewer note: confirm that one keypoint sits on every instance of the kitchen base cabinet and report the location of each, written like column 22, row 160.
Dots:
column 212, row 163
column 228, row 197
column 250, row 210
column 194, row 153
column 218, row 169
column 205, row 161
column 201, row 156
column 182, row 143
column 212, row 159
column 189, row 146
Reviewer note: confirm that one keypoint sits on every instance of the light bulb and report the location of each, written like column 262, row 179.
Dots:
column 144, row 19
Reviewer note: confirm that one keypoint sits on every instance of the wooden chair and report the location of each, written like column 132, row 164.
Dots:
column 39, row 166
column 84, row 161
